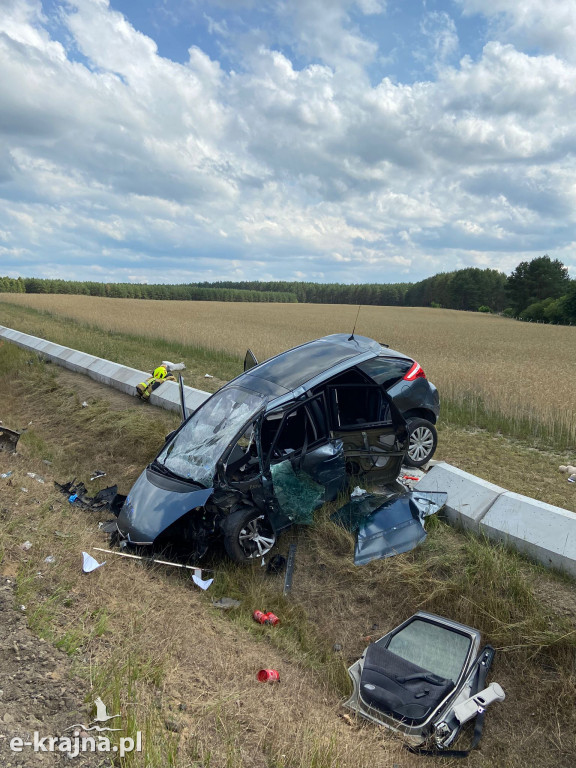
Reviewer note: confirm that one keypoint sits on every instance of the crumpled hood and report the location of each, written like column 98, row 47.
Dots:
column 154, row 503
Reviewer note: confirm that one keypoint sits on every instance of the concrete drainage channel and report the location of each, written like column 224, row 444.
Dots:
column 541, row 531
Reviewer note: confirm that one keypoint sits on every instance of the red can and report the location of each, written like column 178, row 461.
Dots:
column 266, row 618
column 268, row 676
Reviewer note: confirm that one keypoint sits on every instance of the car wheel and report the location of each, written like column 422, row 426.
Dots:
column 247, row 534
column 423, row 440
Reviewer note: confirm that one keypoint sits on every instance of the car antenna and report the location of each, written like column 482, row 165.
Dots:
column 351, row 338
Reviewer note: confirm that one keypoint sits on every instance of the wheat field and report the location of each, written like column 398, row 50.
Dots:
column 520, row 371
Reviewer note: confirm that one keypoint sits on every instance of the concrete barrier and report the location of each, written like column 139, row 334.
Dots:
column 112, row 374
column 541, row 531
column 469, row 497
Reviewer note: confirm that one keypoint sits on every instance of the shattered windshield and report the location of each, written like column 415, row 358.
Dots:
column 198, row 446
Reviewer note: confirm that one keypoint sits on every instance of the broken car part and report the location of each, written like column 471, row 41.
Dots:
column 8, row 439
column 387, row 526
column 424, row 680
column 197, row 571
column 274, row 444
column 290, row 568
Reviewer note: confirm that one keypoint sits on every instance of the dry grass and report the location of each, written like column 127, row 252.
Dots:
column 491, row 371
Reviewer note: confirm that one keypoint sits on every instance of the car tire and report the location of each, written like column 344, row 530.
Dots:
column 423, row 440
column 248, row 534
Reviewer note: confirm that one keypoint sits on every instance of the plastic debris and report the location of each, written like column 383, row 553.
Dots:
column 208, row 376
column 202, row 583
column 357, row 492
column 7, row 474
column 84, row 404
column 26, row 546
column 50, row 559
column 36, row 477
column 24, row 490
column 89, row 564
column 97, row 473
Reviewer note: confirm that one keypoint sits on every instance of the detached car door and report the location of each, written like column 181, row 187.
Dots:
column 371, row 428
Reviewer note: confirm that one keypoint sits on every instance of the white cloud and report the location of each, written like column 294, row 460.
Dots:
column 114, row 154
column 550, row 25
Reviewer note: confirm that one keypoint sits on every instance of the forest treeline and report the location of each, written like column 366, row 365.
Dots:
column 539, row 291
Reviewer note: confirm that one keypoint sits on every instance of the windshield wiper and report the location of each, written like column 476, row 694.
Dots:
column 161, row 469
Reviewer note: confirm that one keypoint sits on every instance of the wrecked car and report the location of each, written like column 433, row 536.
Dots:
column 273, row 445
column 425, row 679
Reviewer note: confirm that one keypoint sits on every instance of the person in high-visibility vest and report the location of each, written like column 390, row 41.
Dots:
column 162, row 373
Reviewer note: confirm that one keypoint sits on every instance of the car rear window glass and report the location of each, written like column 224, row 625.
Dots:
column 440, row 650
column 386, row 370
column 299, row 365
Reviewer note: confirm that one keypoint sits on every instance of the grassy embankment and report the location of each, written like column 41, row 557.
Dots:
column 115, row 624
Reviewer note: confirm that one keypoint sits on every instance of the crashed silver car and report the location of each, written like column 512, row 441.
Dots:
column 269, row 448
column 425, row 679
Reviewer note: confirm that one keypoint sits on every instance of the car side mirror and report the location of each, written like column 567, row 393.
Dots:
column 250, row 360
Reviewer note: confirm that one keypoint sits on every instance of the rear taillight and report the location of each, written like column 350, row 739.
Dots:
column 416, row 372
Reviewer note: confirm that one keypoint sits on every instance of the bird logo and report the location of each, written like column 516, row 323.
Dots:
column 102, row 716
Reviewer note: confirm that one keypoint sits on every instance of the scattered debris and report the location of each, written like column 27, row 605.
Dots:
column 268, row 676
column 266, row 618
column 196, row 576
column 7, row 474
column 357, row 492
column 571, row 470
column 226, row 603
column 202, row 583
column 62, row 535
column 50, row 559
column 107, row 498
column 89, row 564
column 36, row 477
column 337, row 647
column 24, row 490
column 97, row 473
column 208, row 376
column 289, row 569
column 8, row 439
column 387, row 526
column 84, row 404
column 26, row 546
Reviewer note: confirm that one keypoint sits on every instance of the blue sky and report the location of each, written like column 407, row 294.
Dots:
column 328, row 140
